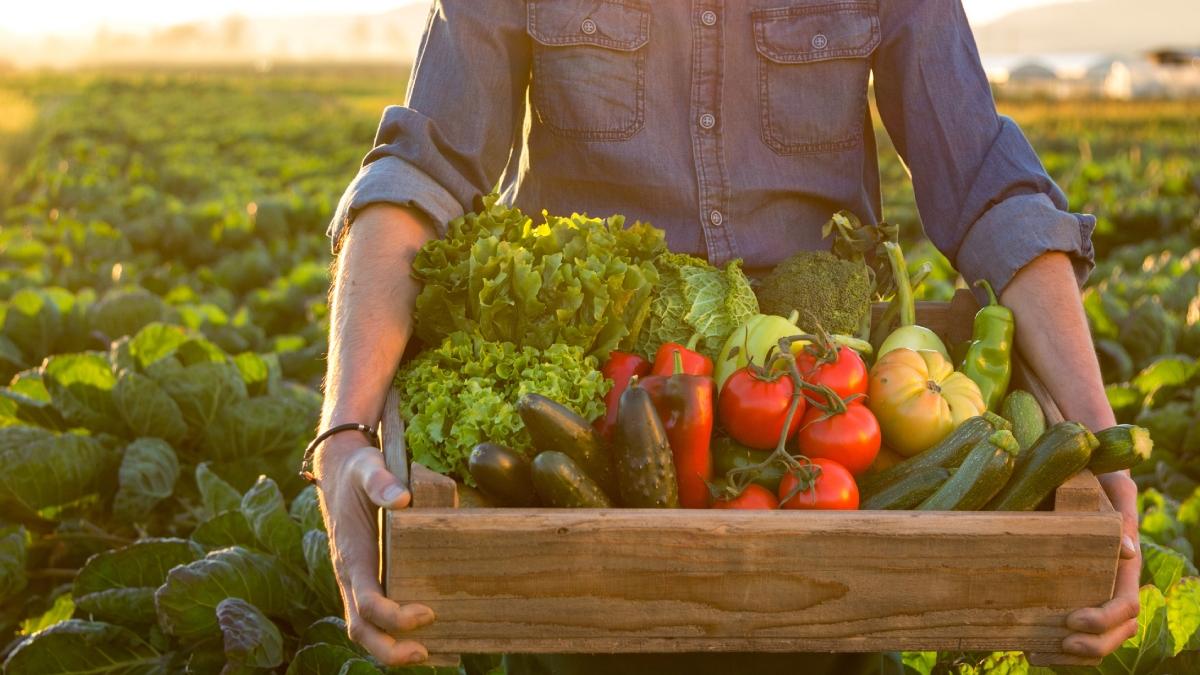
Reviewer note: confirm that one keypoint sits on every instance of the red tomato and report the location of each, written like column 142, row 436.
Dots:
column 753, row 497
column 850, row 438
column 834, row 489
column 753, row 409
column 847, row 374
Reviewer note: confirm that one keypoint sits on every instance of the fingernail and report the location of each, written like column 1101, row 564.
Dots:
column 1127, row 542
column 392, row 493
column 416, row 658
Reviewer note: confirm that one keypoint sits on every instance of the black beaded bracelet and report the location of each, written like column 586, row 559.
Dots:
column 306, row 461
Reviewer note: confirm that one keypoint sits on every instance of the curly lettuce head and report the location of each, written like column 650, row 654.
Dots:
column 463, row 393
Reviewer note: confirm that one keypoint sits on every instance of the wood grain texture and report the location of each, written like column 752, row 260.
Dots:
column 629, row 580
column 1080, row 493
column 391, row 434
column 432, row 490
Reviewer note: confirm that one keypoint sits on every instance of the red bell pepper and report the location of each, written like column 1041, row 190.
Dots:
column 684, row 403
column 620, row 367
column 694, row 363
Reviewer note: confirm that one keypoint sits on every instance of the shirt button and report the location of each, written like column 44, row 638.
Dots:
column 708, row 17
column 588, row 26
column 707, row 121
column 715, row 217
column 819, row 41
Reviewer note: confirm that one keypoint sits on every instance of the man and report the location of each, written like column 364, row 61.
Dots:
column 738, row 127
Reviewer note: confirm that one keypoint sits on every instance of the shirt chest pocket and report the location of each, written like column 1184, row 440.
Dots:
column 813, row 69
column 589, row 67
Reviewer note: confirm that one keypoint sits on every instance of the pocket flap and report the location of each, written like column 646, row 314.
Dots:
column 616, row 24
column 816, row 32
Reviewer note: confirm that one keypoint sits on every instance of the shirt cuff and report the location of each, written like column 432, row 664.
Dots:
column 1011, row 234
column 392, row 180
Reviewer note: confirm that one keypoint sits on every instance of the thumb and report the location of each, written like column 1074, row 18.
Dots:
column 380, row 485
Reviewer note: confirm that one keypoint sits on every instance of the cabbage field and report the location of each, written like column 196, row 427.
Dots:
column 163, row 278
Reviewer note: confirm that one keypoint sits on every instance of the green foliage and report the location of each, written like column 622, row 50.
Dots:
column 575, row 281
column 464, row 392
column 696, row 300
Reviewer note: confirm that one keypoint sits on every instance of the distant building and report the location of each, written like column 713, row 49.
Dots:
column 1165, row 73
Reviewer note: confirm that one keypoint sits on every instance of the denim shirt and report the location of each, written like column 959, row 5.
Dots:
column 738, row 127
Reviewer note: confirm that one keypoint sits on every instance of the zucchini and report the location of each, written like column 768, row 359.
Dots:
column 980, row 476
column 1025, row 414
column 1060, row 453
column 553, row 426
column 645, row 466
column 950, row 451
column 502, row 474
column 1121, row 447
column 560, row 482
column 908, row 492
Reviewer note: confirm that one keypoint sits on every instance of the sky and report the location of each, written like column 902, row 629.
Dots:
column 44, row 17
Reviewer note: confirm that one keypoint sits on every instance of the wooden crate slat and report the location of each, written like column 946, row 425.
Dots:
column 632, row 580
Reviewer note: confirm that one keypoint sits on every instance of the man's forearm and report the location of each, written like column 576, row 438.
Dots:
column 1053, row 336
column 371, row 309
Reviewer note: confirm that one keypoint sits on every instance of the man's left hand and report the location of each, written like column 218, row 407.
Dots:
column 1099, row 631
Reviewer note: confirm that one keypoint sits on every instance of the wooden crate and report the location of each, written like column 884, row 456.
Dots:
column 644, row 580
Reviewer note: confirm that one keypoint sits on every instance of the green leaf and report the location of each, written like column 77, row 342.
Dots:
column 259, row 426
column 921, row 663
column 1164, row 566
column 320, row 569
column 1183, row 614
column 147, row 476
column 359, row 667
column 205, row 392
column 61, row 610
column 75, row 647
column 229, row 528
column 1143, row 652
column 306, row 509
column 188, row 600
column 154, row 343
column 269, row 520
column 51, row 470
column 320, row 659
column 147, row 409
column 34, row 406
column 260, row 372
column 1168, row 371
column 118, row 585
column 217, row 495
column 330, row 629
column 33, row 322
column 81, row 387
column 13, row 578
column 125, row 312
column 250, row 638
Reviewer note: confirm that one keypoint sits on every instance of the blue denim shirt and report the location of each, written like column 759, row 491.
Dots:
column 736, row 126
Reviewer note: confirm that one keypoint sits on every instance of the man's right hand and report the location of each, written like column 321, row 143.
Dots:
column 354, row 483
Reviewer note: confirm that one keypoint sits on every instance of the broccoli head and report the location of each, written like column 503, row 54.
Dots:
column 825, row 289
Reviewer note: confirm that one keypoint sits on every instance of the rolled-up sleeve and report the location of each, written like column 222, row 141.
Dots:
column 984, row 197
column 452, row 139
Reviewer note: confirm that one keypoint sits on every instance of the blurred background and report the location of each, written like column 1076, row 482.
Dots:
column 167, row 171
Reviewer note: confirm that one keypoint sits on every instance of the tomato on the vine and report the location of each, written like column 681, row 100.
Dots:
column 753, row 407
column 753, row 497
column 850, row 437
column 843, row 371
column 834, row 488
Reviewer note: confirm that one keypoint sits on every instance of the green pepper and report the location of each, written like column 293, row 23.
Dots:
column 989, row 358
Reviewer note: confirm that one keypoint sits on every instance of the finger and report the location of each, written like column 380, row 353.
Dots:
column 392, row 617
column 385, row 648
column 1129, row 548
column 1099, row 646
column 1123, row 606
column 380, row 485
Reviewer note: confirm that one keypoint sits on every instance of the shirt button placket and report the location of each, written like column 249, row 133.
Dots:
column 711, row 175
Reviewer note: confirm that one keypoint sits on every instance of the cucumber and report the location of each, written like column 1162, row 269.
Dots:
column 909, row 491
column 1025, row 414
column 560, row 482
column 502, row 474
column 980, row 476
column 553, row 426
column 645, row 466
column 950, row 451
column 1060, row 453
column 1121, row 447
